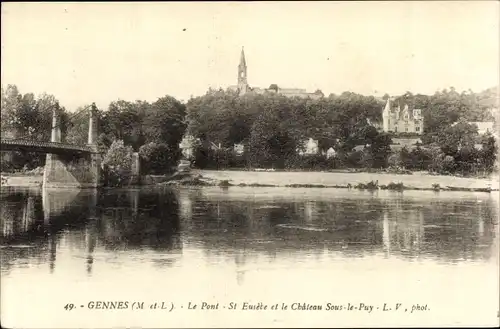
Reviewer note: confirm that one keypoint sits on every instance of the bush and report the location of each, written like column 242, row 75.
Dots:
column 367, row 159
column 420, row 159
column 395, row 186
column 158, row 158
column 406, row 159
column 117, row 164
column 224, row 183
column 399, row 171
column 206, row 157
column 354, row 159
column 394, row 161
column 436, row 159
column 373, row 185
column 13, row 161
column 310, row 161
column 448, row 164
column 488, row 154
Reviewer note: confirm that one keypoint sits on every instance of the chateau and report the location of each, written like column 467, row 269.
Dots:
column 243, row 87
column 402, row 121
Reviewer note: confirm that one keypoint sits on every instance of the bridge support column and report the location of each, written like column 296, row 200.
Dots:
column 55, row 136
column 73, row 170
column 95, row 158
column 92, row 140
column 56, row 125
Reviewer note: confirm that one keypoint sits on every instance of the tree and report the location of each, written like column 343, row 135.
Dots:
column 78, row 128
column 125, row 120
column 420, row 158
column 319, row 92
column 367, row 159
column 488, row 153
column 437, row 157
column 117, row 164
column 457, row 136
column 466, row 159
column 272, row 140
column 273, row 87
column 380, row 150
column 406, row 159
column 29, row 117
column 222, row 117
column 157, row 158
column 444, row 108
column 11, row 102
column 164, row 122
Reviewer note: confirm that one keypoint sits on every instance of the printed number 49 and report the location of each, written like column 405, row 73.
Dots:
column 69, row 307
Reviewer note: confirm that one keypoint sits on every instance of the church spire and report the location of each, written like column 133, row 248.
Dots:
column 242, row 74
column 242, row 58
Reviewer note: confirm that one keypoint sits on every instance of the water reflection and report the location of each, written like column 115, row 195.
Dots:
column 447, row 229
column 35, row 224
column 242, row 226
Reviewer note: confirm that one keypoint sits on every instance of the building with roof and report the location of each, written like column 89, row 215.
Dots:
column 243, row 87
column 484, row 127
column 402, row 121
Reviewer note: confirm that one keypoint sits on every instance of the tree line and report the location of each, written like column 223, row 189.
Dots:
column 272, row 129
column 154, row 130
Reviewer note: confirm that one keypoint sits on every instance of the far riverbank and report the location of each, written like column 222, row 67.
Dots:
column 333, row 179
column 360, row 180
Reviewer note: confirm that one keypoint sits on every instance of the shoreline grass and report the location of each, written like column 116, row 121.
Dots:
column 369, row 186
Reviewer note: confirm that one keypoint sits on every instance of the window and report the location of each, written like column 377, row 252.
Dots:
column 396, row 129
column 406, row 129
column 417, row 128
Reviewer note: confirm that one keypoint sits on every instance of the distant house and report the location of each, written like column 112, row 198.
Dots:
column 331, row 153
column 187, row 146
column 239, row 148
column 310, row 147
column 484, row 127
column 360, row 147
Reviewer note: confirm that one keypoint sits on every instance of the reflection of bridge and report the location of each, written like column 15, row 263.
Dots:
column 35, row 220
column 66, row 165
column 33, row 214
column 42, row 224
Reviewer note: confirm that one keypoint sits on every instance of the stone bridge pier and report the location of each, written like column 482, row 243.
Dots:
column 73, row 170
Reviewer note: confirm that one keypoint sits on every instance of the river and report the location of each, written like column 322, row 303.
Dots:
column 365, row 258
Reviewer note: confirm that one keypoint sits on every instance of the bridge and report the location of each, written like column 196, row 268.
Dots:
column 11, row 144
column 66, row 165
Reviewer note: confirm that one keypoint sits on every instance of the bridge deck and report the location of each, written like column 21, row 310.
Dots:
column 43, row 147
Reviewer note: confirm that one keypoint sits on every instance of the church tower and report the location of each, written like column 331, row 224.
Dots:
column 242, row 74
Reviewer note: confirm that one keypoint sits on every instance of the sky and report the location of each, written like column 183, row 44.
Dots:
column 102, row 52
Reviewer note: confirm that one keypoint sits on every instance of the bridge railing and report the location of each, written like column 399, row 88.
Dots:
column 43, row 144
